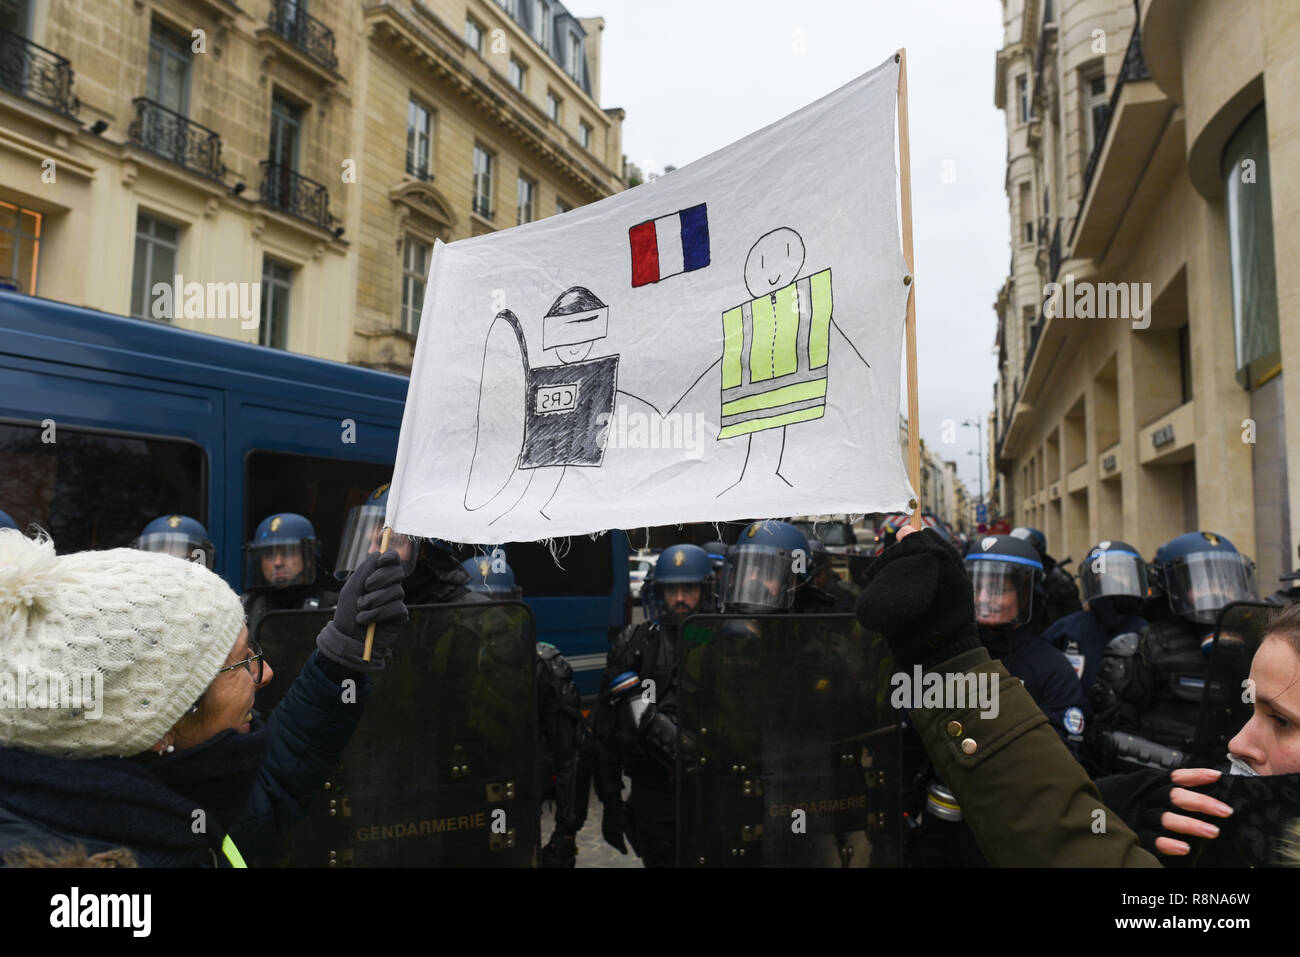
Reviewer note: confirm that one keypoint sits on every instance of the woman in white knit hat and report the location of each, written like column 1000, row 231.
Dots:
column 127, row 681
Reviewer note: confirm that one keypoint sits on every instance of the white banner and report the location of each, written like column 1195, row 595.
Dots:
column 722, row 343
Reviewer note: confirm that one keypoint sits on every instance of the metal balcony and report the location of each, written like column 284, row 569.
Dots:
column 37, row 74
column 295, row 194
column 176, row 138
column 304, row 31
column 1134, row 67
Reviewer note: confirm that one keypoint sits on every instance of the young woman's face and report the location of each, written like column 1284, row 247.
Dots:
column 1270, row 741
column 228, row 703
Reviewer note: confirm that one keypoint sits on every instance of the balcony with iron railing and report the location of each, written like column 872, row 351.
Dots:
column 295, row 194
column 1133, row 68
column 290, row 21
column 176, row 138
column 37, row 74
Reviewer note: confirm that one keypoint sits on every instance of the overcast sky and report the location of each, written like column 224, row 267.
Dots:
column 695, row 76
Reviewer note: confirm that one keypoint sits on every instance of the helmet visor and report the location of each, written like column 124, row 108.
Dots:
column 280, row 564
column 362, row 534
column 1202, row 583
column 760, row 578
column 1116, row 574
column 178, row 544
column 1004, row 591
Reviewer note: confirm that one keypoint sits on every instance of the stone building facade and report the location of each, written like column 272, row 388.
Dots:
column 309, row 153
column 1144, row 325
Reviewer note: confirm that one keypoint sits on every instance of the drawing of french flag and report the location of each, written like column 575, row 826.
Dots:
column 669, row 245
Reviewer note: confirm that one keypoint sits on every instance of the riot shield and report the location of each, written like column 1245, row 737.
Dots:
column 788, row 752
column 441, row 771
column 1227, row 702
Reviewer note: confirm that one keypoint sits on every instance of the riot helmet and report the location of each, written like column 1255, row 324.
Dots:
column 363, row 533
column 764, row 567
column 1201, row 573
column 281, row 553
column 178, row 535
column 1034, row 537
column 1113, row 578
column 491, row 575
column 682, row 570
column 1003, row 572
column 6, row 521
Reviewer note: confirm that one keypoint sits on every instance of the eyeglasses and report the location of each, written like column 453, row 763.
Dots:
column 255, row 658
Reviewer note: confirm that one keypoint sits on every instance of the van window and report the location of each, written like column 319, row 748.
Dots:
column 322, row 489
column 93, row 489
column 587, row 568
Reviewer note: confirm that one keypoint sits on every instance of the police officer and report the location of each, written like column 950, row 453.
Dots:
column 766, row 570
column 1114, row 578
column 1147, row 695
column 636, row 716
column 178, row 535
column 280, row 567
column 6, row 521
column 433, row 575
column 825, row 592
column 565, row 751
column 1058, row 595
column 1005, row 573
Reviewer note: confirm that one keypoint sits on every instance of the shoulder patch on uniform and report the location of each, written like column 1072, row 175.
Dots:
column 1073, row 720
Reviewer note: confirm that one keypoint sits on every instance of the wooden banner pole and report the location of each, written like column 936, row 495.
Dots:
column 370, row 629
column 905, row 189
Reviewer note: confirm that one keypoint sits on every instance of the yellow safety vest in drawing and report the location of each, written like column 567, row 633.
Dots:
column 774, row 357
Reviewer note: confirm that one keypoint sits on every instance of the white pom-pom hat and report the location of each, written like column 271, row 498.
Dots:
column 156, row 628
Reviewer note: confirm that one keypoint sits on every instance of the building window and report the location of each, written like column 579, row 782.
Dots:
column 1096, row 106
column 474, row 35
column 1026, row 214
column 574, row 62
column 1185, row 361
column 508, row 6
column 286, row 128
column 543, row 22
column 1022, row 98
column 1030, row 315
column 156, row 246
column 584, row 134
column 277, row 280
column 415, row 275
column 561, row 206
column 1245, row 172
column 527, row 190
column 553, row 106
column 517, row 74
column 20, row 246
column 419, row 139
column 169, row 70
column 482, row 182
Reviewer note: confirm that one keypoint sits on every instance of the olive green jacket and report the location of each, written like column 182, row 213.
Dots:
column 1029, row 803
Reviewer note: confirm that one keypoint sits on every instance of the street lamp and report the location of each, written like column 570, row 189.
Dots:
column 979, row 450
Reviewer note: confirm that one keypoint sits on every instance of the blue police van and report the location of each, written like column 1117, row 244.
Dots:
column 108, row 422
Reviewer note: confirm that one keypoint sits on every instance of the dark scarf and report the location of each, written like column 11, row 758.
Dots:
column 146, row 802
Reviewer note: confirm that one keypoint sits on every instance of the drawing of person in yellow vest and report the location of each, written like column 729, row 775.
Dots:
column 776, row 346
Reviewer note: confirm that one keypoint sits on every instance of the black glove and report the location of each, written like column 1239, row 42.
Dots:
column 919, row 597
column 561, row 850
column 613, row 822
column 372, row 593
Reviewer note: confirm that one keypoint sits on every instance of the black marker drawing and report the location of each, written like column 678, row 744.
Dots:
column 563, row 420
column 776, row 346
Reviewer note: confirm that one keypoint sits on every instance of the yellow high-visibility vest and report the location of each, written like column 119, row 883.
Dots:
column 774, row 357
